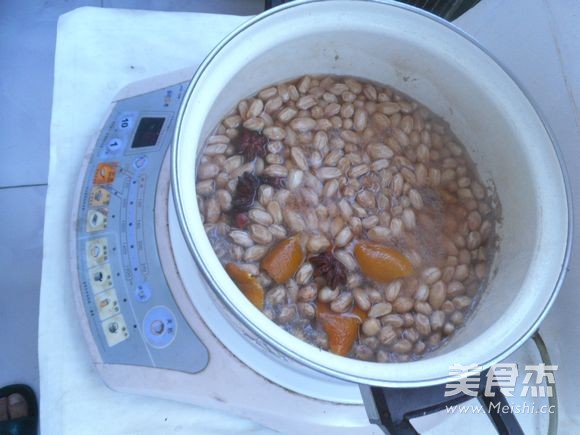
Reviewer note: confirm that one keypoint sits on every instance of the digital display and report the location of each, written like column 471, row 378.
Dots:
column 147, row 132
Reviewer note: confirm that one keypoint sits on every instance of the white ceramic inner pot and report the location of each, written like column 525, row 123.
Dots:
column 440, row 67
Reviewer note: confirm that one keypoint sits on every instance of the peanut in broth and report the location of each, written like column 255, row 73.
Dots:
column 335, row 162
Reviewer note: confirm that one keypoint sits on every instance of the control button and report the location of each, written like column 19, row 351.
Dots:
column 140, row 162
column 99, row 196
column 107, row 304
column 96, row 220
column 105, row 173
column 143, row 292
column 97, row 251
column 100, row 277
column 159, row 326
column 125, row 122
column 115, row 144
column 115, row 330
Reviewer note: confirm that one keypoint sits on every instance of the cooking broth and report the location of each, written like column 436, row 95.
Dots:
column 349, row 214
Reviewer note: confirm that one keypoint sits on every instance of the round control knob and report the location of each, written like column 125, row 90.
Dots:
column 157, row 327
column 160, row 326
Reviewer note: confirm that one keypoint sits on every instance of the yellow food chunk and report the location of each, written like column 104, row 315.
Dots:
column 342, row 331
column 282, row 262
column 381, row 263
column 247, row 283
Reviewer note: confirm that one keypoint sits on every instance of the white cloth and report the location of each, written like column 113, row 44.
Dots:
column 99, row 51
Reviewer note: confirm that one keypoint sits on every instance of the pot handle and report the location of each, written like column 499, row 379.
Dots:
column 392, row 408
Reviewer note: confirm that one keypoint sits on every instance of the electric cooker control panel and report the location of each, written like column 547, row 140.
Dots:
column 131, row 311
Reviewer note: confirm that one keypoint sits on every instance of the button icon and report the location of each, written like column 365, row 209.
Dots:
column 140, row 162
column 97, row 251
column 107, row 304
column 115, row 144
column 115, row 330
column 157, row 327
column 105, row 173
column 100, row 277
column 99, row 196
column 97, row 220
column 143, row 292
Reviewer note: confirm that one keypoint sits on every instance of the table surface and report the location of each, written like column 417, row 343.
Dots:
column 99, row 51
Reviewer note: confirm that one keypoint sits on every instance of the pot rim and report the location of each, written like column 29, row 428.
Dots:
column 297, row 355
